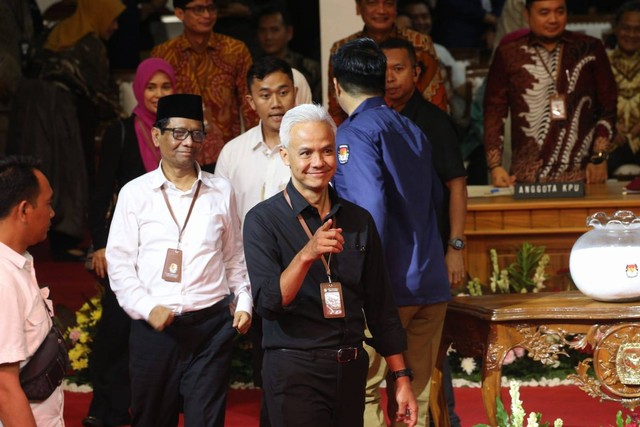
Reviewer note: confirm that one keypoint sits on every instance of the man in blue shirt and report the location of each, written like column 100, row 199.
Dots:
column 385, row 166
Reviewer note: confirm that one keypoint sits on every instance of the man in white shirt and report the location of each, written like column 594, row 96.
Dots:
column 25, row 217
column 252, row 160
column 176, row 264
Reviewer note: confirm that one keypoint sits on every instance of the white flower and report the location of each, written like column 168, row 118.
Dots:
column 468, row 365
column 517, row 411
column 532, row 421
column 557, row 423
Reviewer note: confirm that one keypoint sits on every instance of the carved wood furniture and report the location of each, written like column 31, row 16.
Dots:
column 545, row 324
column 503, row 223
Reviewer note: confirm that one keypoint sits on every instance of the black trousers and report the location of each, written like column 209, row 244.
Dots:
column 186, row 364
column 303, row 390
column 109, row 363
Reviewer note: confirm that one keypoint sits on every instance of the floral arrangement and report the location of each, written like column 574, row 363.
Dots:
column 80, row 338
column 518, row 413
column 526, row 274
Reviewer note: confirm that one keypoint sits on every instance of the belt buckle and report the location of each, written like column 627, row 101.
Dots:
column 346, row 355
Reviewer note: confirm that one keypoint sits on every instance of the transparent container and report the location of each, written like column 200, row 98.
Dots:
column 604, row 261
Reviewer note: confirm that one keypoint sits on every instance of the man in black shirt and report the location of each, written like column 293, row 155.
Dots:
column 316, row 267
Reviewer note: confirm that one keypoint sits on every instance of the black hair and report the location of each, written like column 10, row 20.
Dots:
column 359, row 67
column 18, row 182
column 161, row 124
column 265, row 66
column 528, row 3
column 181, row 4
column 273, row 10
column 403, row 5
column 630, row 6
column 397, row 43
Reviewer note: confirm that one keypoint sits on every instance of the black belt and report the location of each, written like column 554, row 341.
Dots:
column 191, row 317
column 340, row 355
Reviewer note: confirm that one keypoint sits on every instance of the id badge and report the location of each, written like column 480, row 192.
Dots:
column 172, row 271
column 332, row 302
column 558, row 107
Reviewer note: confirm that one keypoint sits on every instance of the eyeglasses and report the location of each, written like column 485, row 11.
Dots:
column 180, row 134
column 199, row 10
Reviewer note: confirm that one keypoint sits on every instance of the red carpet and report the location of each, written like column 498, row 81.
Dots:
column 71, row 284
column 566, row 402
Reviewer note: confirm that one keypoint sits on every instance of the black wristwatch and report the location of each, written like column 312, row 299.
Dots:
column 406, row 372
column 599, row 157
column 456, row 243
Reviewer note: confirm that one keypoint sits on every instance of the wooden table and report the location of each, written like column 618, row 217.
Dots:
column 490, row 325
column 504, row 224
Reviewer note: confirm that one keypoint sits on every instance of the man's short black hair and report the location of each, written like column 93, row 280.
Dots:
column 403, row 5
column 359, row 67
column 273, row 10
column 181, row 4
column 18, row 182
column 265, row 66
column 398, row 43
column 630, row 6
column 528, row 3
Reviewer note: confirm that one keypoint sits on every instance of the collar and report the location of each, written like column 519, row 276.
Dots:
column 184, row 44
column 299, row 204
column 533, row 40
column 392, row 34
column 259, row 138
column 21, row 261
column 367, row 104
column 634, row 57
column 412, row 104
column 158, row 179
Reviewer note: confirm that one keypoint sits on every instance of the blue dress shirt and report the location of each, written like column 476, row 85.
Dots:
column 385, row 166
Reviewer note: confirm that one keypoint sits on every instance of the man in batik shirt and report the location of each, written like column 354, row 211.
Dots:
column 625, row 63
column 562, row 96
column 215, row 67
column 379, row 17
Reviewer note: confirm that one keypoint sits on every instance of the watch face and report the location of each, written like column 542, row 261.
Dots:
column 599, row 158
column 457, row 244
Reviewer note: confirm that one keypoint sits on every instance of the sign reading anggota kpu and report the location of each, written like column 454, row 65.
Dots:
column 548, row 190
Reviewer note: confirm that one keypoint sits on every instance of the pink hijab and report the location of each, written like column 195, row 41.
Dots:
column 146, row 70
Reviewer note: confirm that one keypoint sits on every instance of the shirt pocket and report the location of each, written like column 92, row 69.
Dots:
column 349, row 265
column 37, row 324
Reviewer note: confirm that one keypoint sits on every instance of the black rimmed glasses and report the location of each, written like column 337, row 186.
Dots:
column 199, row 10
column 180, row 134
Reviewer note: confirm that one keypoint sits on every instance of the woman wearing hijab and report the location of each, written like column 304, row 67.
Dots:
column 127, row 152
column 55, row 116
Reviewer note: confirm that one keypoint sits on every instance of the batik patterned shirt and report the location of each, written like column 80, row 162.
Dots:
column 522, row 79
column 218, row 75
column 626, row 70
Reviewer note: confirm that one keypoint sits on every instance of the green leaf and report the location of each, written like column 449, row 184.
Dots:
column 502, row 417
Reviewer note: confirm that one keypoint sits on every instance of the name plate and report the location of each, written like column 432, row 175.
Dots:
column 548, row 190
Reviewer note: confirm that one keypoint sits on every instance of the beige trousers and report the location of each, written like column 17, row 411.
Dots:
column 423, row 324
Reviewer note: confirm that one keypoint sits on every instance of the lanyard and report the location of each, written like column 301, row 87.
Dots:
column 305, row 227
column 193, row 202
column 546, row 67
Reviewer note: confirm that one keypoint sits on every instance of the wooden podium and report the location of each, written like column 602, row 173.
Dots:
column 503, row 223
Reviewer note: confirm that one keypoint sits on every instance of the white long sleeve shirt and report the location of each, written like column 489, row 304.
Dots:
column 142, row 230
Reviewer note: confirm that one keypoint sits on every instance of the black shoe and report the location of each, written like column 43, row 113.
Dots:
column 92, row 422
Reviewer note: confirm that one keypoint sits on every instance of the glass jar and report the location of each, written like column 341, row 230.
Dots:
column 604, row 261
